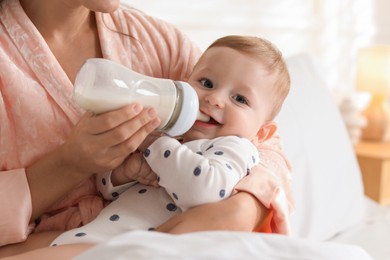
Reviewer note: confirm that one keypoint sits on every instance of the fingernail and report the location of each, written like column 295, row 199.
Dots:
column 156, row 122
column 137, row 108
column 152, row 113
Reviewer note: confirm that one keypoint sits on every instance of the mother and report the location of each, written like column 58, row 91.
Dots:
column 50, row 148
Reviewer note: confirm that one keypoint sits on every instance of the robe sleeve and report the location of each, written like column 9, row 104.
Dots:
column 16, row 204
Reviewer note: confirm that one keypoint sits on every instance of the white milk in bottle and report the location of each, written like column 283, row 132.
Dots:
column 102, row 85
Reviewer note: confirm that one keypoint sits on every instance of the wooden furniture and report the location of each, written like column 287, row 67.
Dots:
column 374, row 161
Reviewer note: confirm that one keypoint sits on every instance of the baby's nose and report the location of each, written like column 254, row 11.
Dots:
column 215, row 100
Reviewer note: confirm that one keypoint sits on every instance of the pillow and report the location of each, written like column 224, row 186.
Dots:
column 326, row 179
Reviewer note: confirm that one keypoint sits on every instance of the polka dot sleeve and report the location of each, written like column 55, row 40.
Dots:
column 201, row 171
column 107, row 189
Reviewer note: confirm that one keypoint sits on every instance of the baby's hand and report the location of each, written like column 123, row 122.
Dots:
column 134, row 168
column 149, row 140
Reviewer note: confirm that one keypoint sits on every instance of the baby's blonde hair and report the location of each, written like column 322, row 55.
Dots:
column 269, row 55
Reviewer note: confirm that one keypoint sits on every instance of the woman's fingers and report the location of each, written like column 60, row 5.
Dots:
column 122, row 131
column 117, row 131
column 102, row 123
column 134, row 139
column 102, row 142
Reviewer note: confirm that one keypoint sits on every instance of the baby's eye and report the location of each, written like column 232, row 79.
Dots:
column 206, row 83
column 240, row 99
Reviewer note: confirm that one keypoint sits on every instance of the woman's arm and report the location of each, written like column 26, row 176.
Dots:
column 34, row 241
column 63, row 252
column 240, row 212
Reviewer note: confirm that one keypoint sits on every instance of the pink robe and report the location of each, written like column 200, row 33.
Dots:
column 37, row 113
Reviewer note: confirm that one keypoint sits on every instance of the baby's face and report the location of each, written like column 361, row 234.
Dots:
column 234, row 89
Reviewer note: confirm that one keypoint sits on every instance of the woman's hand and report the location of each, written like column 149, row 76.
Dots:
column 134, row 168
column 102, row 142
column 98, row 143
column 240, row 212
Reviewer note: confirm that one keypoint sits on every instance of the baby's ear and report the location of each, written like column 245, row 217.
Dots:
column 266, row 131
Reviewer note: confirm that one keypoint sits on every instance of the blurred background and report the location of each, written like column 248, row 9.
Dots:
column 330, row 30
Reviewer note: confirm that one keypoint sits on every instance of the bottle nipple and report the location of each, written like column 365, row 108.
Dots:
column 202, row 117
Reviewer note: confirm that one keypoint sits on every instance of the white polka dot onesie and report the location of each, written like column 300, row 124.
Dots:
column 189, row 174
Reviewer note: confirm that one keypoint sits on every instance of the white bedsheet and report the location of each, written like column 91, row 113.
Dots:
column 370, row 239
column 219, row 245
column 372, row 234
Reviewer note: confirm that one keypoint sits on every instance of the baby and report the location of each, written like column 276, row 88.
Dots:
column 241, row 83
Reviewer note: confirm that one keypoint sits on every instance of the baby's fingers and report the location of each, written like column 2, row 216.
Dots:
column 148, row 182
column 149, row 178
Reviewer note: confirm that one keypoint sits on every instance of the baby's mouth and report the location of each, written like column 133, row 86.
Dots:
column 207, row 119
column 212, row 121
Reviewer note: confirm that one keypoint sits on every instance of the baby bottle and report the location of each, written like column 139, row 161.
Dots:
column 102, row 85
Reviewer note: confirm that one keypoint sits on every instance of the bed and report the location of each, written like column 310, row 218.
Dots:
column 333, row 219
